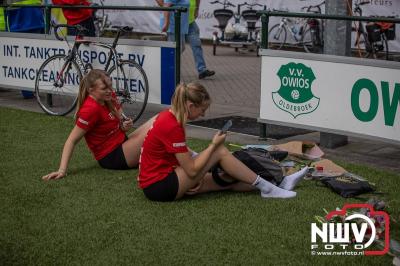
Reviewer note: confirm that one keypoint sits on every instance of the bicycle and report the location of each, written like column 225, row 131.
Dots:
column 101, row 22
column 316, row 30
column 239, row 35
column 58, row 77
column 304, row 32
column 371, row 39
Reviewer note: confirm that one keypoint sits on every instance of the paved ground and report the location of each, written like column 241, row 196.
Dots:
column 235, row 90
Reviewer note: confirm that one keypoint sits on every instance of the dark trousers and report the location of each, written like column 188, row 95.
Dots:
column 88, row 24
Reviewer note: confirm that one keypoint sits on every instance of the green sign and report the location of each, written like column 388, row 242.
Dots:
column 295, row 95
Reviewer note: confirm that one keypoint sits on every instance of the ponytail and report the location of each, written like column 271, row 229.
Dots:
column 193, row 92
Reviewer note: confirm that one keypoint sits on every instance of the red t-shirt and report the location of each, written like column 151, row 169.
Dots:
column 75, row 16
column 163, row 140
column 103, row 133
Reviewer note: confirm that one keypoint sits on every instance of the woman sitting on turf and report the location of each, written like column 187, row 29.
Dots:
column 99, row 120
column 168, row 168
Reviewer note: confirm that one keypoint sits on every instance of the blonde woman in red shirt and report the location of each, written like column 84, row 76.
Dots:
column 168, row 170
column 99, row 120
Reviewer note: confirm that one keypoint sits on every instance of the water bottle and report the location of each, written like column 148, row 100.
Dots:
column 294, row 29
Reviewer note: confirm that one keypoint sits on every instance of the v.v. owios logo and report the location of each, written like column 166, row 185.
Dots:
column 295, row 95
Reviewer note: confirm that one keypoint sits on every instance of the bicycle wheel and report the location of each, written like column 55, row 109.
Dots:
column 277, row 36
column 310, row 42
column 380, row 49
column 362, row 44
column 132, row 89
column 57, row 92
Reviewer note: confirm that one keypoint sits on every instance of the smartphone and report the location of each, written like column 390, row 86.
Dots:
column 226, row 127
column 124, row 117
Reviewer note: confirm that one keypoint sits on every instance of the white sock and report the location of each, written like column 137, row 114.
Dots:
column 290, row 181
column 269, row 190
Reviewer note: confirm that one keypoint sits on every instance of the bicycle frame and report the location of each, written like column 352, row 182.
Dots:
column 289, row 24
column 74, row 55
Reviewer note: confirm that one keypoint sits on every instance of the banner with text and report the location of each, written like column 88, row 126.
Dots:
column 22, row 56
column 337, row 96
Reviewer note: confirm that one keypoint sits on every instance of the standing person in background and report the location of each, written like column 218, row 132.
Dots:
column 2, row 18
column 192, row 36
column 83, row 17
column 25, row 19
column 167, row 21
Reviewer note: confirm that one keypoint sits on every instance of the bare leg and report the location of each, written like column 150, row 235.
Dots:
column 231, row 165
column 236, row 169
column 208, row 185
column 132, row 146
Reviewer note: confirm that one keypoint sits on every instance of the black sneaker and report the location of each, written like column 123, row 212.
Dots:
column 206, row 73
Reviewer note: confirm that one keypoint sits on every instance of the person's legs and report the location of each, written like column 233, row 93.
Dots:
column 195, row 43
column 290, row 181
column 88, row 24
column 208, row 184
column 171, row 38
column 132, row 146
column 193, row 38
column 235, row 169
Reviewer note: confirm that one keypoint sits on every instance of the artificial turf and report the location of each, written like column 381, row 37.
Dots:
column 100, row 217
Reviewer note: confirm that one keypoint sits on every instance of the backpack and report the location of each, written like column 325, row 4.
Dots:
column 262, row 162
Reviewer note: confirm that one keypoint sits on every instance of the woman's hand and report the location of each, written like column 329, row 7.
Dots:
column 194, row 190
column 126, row 124
column 218, row 138
column 165, row 28
column 55, row 175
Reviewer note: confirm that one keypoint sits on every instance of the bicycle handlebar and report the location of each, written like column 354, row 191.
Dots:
column 254, row 4
column 316, row 7
column 225, row 3
column 80, row 29
column 364, row 3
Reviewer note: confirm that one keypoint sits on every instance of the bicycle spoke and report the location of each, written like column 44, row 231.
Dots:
column 55, row 93
column 132, row 87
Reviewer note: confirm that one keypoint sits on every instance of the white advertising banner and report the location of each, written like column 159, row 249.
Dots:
column 331, row 94
column 21, row 57
column 148, row 21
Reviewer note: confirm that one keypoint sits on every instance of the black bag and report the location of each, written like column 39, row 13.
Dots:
column 374, row 32
column 262, row 163
column 390, row 33
column 347, row 186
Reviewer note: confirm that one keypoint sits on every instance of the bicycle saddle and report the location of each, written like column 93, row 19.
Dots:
column 223, row 16
column 250, row 15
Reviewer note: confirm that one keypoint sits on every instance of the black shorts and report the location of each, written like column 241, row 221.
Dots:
column 163, row 190
column 115, row 160
column 88, row 24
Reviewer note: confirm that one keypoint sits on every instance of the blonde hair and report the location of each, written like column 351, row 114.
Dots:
column 193, row 92
column 88, row 82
